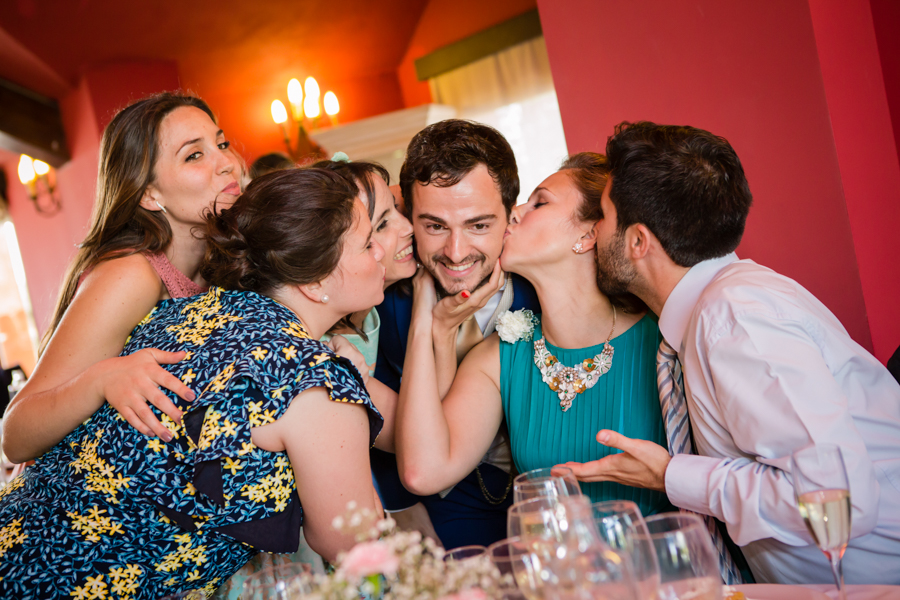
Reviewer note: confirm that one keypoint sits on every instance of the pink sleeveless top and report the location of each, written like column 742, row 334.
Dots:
column 177, row 283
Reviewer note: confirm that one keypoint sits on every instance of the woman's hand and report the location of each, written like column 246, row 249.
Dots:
column 130, row 383
column 424, row 297
column 343, row 347
column 451, row 311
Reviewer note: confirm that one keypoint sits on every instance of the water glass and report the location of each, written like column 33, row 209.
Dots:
column 285, row 582
column 623, row 528
column 688, row 562
column 568, row 555
column 553, row 481
column 823, row 496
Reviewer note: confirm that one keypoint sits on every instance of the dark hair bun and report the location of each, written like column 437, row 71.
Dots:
column 287, row 228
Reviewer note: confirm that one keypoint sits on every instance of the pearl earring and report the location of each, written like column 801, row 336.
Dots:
column 578, row 248
column 325, row 298
column 161, row 207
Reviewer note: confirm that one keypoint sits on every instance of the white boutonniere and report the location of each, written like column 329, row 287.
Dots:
column 515, row 326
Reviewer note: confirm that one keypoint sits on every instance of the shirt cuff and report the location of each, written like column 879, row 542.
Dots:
column 687, row 481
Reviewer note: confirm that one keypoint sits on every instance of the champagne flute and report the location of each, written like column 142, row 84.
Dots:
column 285, row 582
column 823, row 496
column 553, row 481
column 572, row 560
column 622, row 526
column 688, row 562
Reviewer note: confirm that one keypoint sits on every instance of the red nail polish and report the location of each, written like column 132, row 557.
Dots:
column 465, row 294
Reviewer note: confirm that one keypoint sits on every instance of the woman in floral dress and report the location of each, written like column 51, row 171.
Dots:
column 271, row 440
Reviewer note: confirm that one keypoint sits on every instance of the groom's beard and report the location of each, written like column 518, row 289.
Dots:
column 434, row 264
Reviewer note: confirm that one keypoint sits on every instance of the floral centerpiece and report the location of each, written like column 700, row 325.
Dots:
column 399, row 565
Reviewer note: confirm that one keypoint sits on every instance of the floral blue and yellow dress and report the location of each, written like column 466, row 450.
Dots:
column 109, row 513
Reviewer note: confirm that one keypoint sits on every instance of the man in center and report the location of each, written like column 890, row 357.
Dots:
column 459, row 183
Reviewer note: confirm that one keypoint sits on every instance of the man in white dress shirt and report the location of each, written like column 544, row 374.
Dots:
column 768, row 369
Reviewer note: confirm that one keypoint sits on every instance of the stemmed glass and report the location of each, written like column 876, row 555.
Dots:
column 464, row 553
column 571, row 560
column 552, row 481
column 622, row 526
column 188, row 595
column 688, row 562
column 285, row 582
column 823, row 495
column 520, row 577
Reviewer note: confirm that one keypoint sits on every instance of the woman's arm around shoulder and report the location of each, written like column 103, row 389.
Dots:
column 328, row 445
column 80, row 367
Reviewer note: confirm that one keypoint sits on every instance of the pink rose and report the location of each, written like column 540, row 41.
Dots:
column 467, row 594
column 371, row 558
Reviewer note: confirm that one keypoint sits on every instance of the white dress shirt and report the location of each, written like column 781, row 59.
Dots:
column 768, row 369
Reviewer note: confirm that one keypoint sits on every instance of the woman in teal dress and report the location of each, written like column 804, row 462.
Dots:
column 587, row 363
column 278, row 435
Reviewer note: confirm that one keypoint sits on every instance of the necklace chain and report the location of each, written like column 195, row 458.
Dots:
column 568, row 382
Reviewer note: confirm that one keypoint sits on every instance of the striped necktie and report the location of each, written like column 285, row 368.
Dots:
column 670, row 380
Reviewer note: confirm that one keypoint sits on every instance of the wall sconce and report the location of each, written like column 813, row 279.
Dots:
column 306, row 115
column 34, row 175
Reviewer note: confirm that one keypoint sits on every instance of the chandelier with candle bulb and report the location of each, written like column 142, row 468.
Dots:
column 306, row 115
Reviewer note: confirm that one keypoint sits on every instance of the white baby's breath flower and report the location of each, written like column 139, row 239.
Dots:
column 515, row 326
column 337, row 523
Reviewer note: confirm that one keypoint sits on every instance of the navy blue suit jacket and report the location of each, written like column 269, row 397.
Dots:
column 396, row 313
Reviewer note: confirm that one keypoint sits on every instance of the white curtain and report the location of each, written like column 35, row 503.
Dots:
column 512, row 91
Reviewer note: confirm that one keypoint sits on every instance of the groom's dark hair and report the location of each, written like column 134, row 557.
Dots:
column 445, row 152
column 685, row 184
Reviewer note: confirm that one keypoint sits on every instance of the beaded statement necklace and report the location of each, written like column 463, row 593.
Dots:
column 568, row 382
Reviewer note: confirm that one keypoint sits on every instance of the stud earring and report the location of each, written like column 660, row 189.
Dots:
column 161, row 207
column 325, row 298
column 578, row 248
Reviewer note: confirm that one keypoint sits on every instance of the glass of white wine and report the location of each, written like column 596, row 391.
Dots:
column 823, row 495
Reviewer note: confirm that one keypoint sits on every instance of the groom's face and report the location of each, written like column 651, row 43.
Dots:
column 459, row 230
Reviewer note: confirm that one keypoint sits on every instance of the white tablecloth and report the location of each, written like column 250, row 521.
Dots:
column 767, row 591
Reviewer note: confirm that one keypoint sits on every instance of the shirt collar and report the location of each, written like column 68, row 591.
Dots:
column 679, row 307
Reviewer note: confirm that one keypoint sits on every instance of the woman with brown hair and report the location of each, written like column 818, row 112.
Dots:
column 164, row 164
column 272, row 440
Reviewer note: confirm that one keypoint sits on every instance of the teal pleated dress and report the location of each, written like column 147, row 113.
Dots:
column 625, row 399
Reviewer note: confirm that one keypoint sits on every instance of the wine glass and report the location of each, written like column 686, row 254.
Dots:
column 553, row 481
column 823, row 495
column 187, row 595
column 623, row 528
column 688, row 562
column 516, row 564
column 464, row 553
column 571, row 559
column 285, row 582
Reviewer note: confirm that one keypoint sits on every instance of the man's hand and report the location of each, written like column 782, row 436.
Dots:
column 640, row 464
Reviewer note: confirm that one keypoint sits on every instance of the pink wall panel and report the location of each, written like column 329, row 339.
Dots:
column 746, row 71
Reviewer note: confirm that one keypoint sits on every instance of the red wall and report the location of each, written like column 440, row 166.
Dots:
column 751, row 73
column 867, row 153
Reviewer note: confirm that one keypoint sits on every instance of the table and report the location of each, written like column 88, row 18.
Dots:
column 769, row 591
